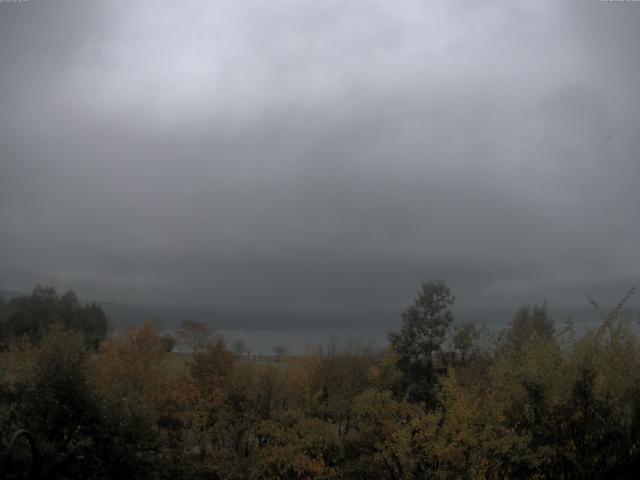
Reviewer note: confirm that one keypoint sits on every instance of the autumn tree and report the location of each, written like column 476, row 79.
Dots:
column 530, row 321
column 331, row 378
column 295, row 447
column 129, row 377
column 211, row 365
column 194, row 334
column 390, row 439
column 279, row 351
column 59, row 406
column 169, row 342
column 240, row 347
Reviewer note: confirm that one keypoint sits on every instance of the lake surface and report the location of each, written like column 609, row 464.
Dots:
column 261, row 341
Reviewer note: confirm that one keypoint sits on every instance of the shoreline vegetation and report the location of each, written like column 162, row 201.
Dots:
column 445, row 399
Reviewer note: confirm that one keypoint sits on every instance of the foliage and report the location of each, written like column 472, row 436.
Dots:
column 168, row 342
column 240, row 348
column 279, row 351
column 530, row 321
column 33, row 315
column 211, row 366
column 58, row 403
column 419, row 343
column 193, row 334
column 538, row 402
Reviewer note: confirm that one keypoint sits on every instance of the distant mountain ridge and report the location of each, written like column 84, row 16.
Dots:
column 7, row 295
column 123, row 316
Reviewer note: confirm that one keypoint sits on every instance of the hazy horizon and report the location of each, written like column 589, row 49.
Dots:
column 124, row 316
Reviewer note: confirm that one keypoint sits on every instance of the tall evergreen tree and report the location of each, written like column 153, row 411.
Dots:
column 419, row 342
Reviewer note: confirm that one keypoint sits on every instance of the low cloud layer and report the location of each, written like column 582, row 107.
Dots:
column 320, row 155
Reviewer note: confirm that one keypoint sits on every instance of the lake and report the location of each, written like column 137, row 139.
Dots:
column 260, row 341
column 296, row 340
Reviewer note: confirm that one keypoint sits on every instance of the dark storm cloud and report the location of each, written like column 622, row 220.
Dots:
column 319, row 155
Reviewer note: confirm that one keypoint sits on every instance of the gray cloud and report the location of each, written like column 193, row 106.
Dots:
column 319, row 155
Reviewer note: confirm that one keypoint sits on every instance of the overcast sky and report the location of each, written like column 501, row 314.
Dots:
column 320, row 155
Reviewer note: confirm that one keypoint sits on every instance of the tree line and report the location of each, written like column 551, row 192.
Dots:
column 445, row 400
column 31, row 316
